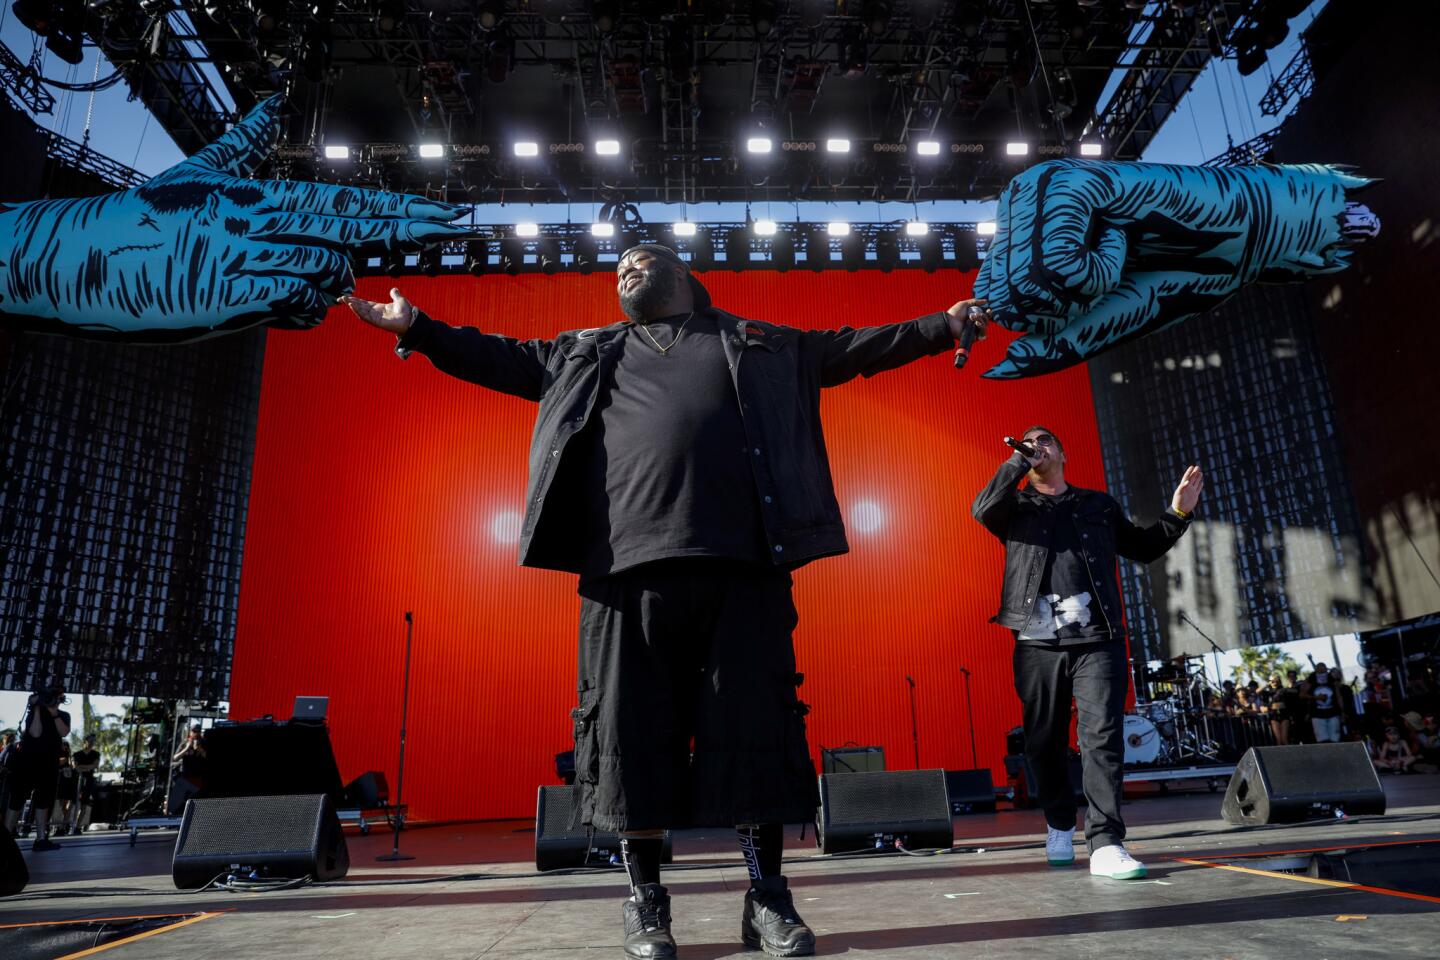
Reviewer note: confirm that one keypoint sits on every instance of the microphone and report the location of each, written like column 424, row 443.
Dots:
column 407, row 616
column 1022, row 446
column 967, row 340
column 909, row 679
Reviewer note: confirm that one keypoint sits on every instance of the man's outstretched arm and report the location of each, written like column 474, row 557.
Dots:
column 851, row 352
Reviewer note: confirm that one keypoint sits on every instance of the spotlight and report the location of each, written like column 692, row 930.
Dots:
column 930, row 252
column 887, row 250
column 986, row 228
column 477, row 257
column 268, row 14
column 763, row 16
column 605, row 14
column 1091, row 150
column 602, row 229
column 838, row 228
column 431, row 151
column 764, row 228
column 527, row 230
column 916, row 228
column 430, row 261
column 336, row 152
column 39, row 16
column 877, row 17
column 491, row 14
column 607, row 148
column 388, row 14
column 759, row 145
column 395, row 263
column 837, row 146
column 928, row 148
column 683, row 228
column 852, row 251
column 967, row 253
column 527, row 148
column 1017, row 149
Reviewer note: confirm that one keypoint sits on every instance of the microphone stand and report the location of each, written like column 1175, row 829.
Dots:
column 1213, row 645
column 399, row 815
column 970, row 716
column 914, row 721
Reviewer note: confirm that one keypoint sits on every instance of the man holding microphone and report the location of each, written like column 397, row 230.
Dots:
column 1061, row 599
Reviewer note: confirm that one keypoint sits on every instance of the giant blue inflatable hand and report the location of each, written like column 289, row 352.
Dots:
column 201, row 249
column 1090, row 254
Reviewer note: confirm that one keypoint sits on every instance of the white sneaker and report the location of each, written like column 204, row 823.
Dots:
column 1059, row 847
column 1116, row 863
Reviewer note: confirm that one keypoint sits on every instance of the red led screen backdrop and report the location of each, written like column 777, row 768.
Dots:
column 382, row 486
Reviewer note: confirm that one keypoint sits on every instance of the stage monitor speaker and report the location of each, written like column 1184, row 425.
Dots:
column 852, row 760
column 970, row 791
column 1022, row 777
column 561, row 840
column 271, row 837
column 369, row 791
column 875, row 810
column 1302, row 782
column 13, row 872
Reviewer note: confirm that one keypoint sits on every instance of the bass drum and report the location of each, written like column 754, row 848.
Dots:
column 1142, row 740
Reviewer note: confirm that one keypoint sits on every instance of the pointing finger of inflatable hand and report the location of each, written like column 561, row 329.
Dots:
column 323, row 267
column 284, row 301
column 239, row 152
column 348, row 231
column 288, row 196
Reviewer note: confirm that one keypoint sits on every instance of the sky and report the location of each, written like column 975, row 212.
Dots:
column 1221, row 108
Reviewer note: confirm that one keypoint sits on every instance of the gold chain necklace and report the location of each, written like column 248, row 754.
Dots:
column 665, row 350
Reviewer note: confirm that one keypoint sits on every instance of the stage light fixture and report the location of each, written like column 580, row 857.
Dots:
column 430, row 261
column 607, row 148
column 1092, row 150
column 527, row 229
column 587, row 252
column 431, row 151
column 837, row 145
column 877, row 17
column 490, row 14
column 388, row 14
column 737, row 250
column 763, row 16
column 930, row 250
column 764, row 228
column 817, row 248
column 1016, row 148
column 336, row 152
column 527, row 148
column 985, row 228
column 852, row 251
column 683, row 228
column 394, row 263
column 38, row 16
column 838, row 228
column 928, row 148
column 549, row 253
column 759, row 145
column 605, row 14
column 967, row 254
column 782, row 251
column 916, row 228
column 477, row 257
column 887, row 250
column 602, row 230
column 512, row 255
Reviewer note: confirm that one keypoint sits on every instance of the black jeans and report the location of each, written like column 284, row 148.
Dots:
column 1095, row 675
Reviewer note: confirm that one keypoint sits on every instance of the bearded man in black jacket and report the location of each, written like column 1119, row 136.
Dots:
column 678, row 467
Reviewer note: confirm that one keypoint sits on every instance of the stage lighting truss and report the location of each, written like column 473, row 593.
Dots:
column 573, row 247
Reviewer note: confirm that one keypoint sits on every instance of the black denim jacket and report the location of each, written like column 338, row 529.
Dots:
column 777, row 371
column 1018, row 519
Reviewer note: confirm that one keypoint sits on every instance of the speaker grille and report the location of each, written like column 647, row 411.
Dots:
column 904, row 796
column 558, row 820
column 1320, row 770
column 229, row 826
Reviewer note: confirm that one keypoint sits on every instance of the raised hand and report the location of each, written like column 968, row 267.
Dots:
column 1187, row 494
column 393, row 317
column 1090, row 254
column 201, row 249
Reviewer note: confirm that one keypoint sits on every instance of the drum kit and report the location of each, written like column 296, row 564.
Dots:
column 1170, row 726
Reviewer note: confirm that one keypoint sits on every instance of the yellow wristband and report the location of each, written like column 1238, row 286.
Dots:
column 1180, row 513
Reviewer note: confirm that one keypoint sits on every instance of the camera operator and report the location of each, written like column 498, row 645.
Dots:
column 35, row 761
column 187, row 770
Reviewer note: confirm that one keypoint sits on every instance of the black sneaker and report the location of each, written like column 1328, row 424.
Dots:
column 647, row 924
column 44, row 843
column 770, row 922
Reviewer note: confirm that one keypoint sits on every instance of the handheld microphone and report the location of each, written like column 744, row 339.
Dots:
column 967, row 340
column 910, row 680
column 1022, row 446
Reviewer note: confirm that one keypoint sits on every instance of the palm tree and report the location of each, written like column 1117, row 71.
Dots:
column 1261, row 663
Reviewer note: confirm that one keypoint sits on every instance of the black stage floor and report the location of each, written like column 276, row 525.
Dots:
column 1214, row 891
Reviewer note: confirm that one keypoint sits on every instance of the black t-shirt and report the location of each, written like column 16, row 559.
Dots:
column 48, row 743
column 86, row 757
column 663, row 467
column 1325, row 702
column 1066, row 610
